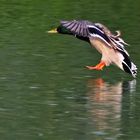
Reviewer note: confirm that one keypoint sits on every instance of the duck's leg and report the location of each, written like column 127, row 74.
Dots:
column 97, row 67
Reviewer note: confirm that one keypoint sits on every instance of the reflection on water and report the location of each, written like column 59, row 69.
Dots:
column 105, row 101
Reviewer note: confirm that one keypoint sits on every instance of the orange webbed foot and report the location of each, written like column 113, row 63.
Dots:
column 97, row 67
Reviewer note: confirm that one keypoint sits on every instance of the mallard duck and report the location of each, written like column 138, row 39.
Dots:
column 110, row 45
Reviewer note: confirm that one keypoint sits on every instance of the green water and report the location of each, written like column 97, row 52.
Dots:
column 46, row 93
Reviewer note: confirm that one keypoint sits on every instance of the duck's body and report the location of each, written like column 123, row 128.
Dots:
column 109, row 45
column 109, row 55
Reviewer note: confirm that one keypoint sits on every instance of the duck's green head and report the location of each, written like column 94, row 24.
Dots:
column 60, row 29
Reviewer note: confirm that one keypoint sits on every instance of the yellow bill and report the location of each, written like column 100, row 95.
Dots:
column 53, row 31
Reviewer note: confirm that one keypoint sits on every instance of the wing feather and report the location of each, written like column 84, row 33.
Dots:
column 77, row 27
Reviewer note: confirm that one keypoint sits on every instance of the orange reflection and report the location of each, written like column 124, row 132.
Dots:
column 103, row 91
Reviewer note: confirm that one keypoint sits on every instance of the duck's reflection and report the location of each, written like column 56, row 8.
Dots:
column 105, row 103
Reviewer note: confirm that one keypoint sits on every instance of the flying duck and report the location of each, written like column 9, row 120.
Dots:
column 111, row 46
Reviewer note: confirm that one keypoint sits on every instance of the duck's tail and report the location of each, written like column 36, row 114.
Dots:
column 128, row 65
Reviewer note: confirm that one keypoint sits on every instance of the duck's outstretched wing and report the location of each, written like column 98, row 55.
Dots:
column 88, row 29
